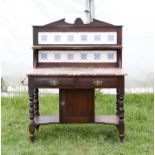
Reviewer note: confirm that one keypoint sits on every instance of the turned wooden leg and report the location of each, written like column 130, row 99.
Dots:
column 121, row 129
column 31, row 116
column 36, row 104
column 121, row 125
column 117, row 105
column 120, row 109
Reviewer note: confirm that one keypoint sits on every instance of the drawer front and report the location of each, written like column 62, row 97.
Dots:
column 51, row 82
column 54, row 82
column 97, row 82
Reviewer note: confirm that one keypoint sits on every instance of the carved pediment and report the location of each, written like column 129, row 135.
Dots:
column 79, row 22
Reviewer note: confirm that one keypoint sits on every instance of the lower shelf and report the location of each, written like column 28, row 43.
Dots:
column 107, row 119
column 40, row 120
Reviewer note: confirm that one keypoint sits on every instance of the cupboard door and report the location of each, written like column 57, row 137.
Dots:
column 76, row 105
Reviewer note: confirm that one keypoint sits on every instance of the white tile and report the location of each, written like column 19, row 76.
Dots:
column 62, row 56
column 77, row 38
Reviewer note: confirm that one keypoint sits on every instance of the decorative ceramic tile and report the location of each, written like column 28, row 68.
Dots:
column 83, row 38
column 44, row 37
column 97, row 37
column 97, row 56
column 44, row 56
column 70, row 38
column 70, row 56
column 110, row 37
column 57, row 56
column 57, row 38
column 110, row 56
column 83, row 56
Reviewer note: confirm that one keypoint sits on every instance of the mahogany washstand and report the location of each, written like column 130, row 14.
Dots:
column 76, row 58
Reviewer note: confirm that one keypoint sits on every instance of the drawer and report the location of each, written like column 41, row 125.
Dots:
column 97, row 82
column 60, row 82
column 54, row 82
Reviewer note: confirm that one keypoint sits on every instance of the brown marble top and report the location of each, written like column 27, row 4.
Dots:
column 76, row 71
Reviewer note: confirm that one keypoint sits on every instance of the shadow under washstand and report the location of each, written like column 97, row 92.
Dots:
column 100, row 133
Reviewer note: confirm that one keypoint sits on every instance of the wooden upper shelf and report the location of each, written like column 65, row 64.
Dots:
column 75, row 46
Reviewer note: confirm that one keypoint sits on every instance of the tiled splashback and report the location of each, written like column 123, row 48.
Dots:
column 77, row 37
column 78, row 56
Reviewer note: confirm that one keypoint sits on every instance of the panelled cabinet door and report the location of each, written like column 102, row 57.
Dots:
column 76, row 105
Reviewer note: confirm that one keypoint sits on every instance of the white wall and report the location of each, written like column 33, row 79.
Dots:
column 18, row 16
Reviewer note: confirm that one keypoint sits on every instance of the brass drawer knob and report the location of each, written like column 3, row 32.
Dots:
column 97, row 82
column 54, row 82
column 62, row 103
